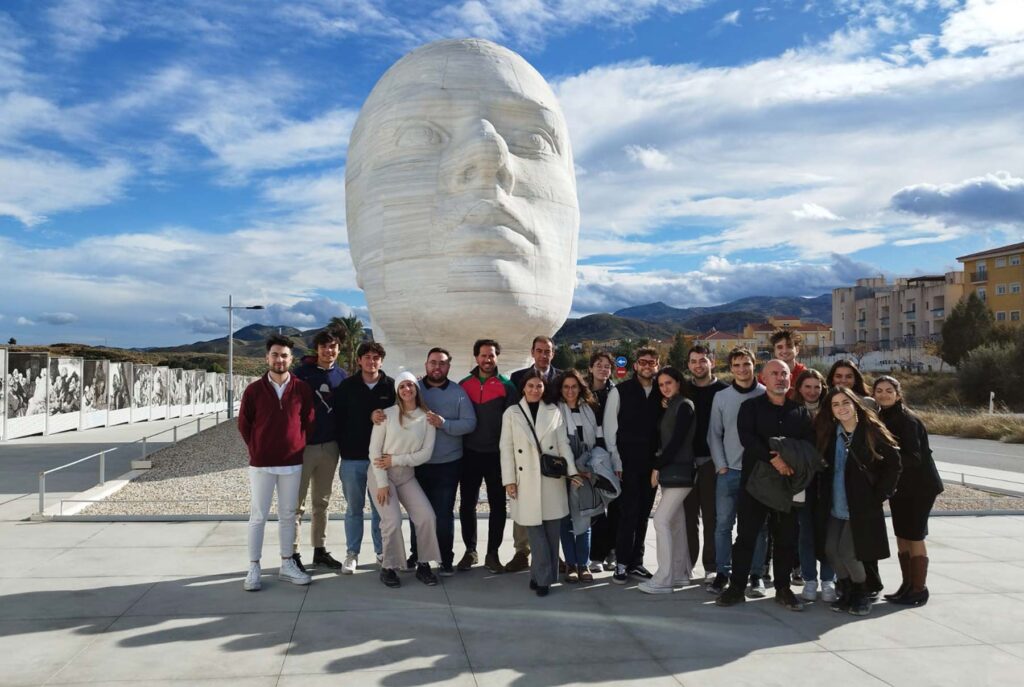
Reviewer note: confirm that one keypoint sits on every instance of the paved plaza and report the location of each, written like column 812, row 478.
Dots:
column 162, row 604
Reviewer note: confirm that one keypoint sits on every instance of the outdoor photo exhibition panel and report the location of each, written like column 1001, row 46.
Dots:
column 175, row 392
column 26, row 394
column 64, row 405
column 120, row 386
column 142, row 392
column 95, row 384
column 159, row 405
column 3, row 393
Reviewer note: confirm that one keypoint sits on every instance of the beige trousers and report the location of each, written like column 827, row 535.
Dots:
column 674, row 564
column 520, row 539
column 404, row 489
column 319, row 463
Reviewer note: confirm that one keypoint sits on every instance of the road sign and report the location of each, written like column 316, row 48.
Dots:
column 621, row 361
column 620, row 372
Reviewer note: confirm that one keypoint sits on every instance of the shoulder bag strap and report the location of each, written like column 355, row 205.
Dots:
column 540, row 451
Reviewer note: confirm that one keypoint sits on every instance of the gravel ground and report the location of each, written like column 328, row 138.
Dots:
column 207, row 474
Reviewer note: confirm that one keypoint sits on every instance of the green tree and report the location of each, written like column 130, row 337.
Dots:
column 12, row 341
column 565, row 357
column 968, row 326
column 678, row 355
column 353, row 329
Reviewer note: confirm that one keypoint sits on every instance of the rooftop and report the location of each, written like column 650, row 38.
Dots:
column 1012, row 248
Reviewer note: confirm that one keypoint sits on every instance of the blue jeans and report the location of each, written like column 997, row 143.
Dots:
column 727, row 492
column 439, row 482
column 576, row 548
column 353, row 486
column 808, row 567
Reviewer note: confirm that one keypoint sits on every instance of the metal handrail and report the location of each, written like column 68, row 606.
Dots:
column 103, row 455
column 984, row 477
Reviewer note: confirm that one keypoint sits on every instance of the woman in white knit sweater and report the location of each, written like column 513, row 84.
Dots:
column 404, row 440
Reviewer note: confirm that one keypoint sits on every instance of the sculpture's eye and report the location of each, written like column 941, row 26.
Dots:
column 420, row 135
column 531, row 143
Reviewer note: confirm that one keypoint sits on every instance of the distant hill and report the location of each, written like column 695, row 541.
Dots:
column 818, row 308
column 248, row 341
column 603, row 326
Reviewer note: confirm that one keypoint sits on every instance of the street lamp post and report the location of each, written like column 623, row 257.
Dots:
column 231, row 350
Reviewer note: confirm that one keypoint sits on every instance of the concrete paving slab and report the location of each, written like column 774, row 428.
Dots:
column 397, row 641
column 19, row 562
column 1015, row 649
column 576, row 674
column 952, row 666
column 122, row 535
column 270, row 681
column 48, row 535
column 191, row 648
column 994, row 576
column 32, row 598
column 990, row 618
column 770, row 670
column 219, row 594
column 992, row 548
column 425, row 677
column 364, row 592
column 977, row 526
column 33, row 650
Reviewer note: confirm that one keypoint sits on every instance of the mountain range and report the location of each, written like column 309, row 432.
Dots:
column 651, row 321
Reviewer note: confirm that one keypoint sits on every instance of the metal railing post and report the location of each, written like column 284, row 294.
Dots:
column 143, row 448
column 42, row 492
column 103, row 467
column 198, row 420
column 217, row 418
column 175, row 435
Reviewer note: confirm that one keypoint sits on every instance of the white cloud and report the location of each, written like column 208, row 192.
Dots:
column 730, row 19
column 36, row 186
column 983, row 24
column 815, row 211
column 24, row 322
column 649, row 157
column 58, row 318
column 12, row 60
column 79, row 25
column 990, row 198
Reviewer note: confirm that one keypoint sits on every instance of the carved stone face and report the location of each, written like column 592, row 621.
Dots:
column 461, row 203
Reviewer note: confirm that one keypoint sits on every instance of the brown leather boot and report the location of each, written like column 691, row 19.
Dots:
column 918, row 594
column 905, row 586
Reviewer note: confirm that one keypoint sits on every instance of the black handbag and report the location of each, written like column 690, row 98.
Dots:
column 550, row 466
column 676, row 474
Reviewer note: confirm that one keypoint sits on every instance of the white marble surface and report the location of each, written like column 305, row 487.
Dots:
column 462, row 213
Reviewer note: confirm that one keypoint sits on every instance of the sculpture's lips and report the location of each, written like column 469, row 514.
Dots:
column 490, row 227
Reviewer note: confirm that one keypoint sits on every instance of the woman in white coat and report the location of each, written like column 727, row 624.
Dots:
column 538, row 503
column 404, row 440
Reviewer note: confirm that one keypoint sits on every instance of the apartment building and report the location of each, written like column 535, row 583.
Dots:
column 905, row 313
column 816, row 336
column 996, row 276
column 721, row 343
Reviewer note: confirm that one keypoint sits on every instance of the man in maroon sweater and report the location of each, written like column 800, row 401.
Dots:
column 275, row 417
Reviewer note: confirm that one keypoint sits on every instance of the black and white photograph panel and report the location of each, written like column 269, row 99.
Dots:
column 142, row 387
column 95, row 374
column 120, row 386
column 26, row 384
column 65, row 386
column 159, row 386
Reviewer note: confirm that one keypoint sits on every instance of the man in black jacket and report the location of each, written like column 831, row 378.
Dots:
column 353, row 404
column 543, row 352
column 761, row 418
column 699, row 504
column 631, row 417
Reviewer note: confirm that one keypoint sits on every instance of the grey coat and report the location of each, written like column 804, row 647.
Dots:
column 772, row 489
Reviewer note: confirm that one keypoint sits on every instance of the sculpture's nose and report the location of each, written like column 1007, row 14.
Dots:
column 479, row 160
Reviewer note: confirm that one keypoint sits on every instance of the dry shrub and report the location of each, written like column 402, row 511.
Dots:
column 974, row 425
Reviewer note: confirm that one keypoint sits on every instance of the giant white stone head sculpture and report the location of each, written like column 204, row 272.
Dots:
column 461, row 204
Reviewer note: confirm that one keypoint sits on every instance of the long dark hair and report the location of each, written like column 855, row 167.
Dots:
column 684, row 386
column 876, row 433
column 859, row 387
column 553, row 391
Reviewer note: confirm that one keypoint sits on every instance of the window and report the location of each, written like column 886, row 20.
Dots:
column 1000, row 316
column 1000, row 289
column 1014, row 259
column 981, row 294
column 1015, row 316
column 1000, row 262
column 1015, row 287
column 981, row 266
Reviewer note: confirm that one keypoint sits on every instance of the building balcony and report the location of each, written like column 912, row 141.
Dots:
column 883, row 321
column 938, row 313
column 910, row 316
column 979, row 277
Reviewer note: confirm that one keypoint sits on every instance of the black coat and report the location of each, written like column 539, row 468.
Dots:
column 865, row 493
column 920, row 477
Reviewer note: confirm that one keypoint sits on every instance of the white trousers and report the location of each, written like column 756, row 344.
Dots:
column 262, row 485
column 403, row 488
column 674, row 564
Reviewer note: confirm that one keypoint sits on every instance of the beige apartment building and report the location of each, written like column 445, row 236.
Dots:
column 906, row 313
column 816, row 336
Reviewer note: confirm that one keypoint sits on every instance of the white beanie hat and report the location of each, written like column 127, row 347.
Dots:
column 404, row 376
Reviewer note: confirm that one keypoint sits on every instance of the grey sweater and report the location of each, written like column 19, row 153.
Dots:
column 450, row 402
column 723, row 437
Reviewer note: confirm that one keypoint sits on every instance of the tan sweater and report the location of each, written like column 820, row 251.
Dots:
column 409, row 443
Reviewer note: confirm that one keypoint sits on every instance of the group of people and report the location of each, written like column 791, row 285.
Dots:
column 798, row 462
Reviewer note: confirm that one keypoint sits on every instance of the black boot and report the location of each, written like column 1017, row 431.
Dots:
column 905, row 586
column 860, row 603
column 842, row 602
column 918, row 594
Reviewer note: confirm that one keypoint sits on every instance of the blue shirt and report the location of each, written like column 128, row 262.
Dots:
column 840, row 506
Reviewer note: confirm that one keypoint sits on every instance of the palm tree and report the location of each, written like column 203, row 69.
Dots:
column 352, row 326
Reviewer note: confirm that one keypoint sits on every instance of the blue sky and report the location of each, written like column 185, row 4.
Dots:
column 156, row 156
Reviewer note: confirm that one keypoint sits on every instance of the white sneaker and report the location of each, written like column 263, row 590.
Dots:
column 647, row 588
column 290, row 572
column 596, row 566
column 810, row 592
column 828, row 592
column 349, row 566
column 709, row 577
column 380, row 559
column 756, row 590
column 252, row 579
